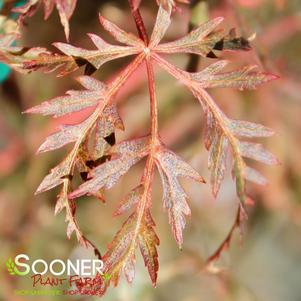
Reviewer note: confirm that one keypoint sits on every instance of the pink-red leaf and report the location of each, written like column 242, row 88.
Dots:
column 161, row 26
column 119, row 34
column 74, row 100
column 244, row 78
column 120, row 257
column 200, row 41
column 171, row 167
column 105, row 52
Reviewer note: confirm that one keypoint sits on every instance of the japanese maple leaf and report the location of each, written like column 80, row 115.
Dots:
column 103, row 162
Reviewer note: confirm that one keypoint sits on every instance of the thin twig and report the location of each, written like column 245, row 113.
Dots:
column 226, row 242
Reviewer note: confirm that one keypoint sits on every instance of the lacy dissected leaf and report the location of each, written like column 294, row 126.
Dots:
column 105, row 52
column 200, row 41
column 65, row 9
column 73, row 100
column 137, row 231
column 171, row 167
column 127, row 154
column 66, row 168
column 26, row 60
column 120, row 35
column 244, row 78
column 222, row 134
column 220, row 137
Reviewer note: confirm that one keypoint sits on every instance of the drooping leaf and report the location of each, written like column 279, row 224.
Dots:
column 121, row 254
column 171, row 167
column 148, row 242
column 222, row 133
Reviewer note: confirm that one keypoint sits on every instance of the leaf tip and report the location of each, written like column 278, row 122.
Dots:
column 271, row 76
column 39, row 190
column 219, row 20
column 101, row 18
column 32, row 110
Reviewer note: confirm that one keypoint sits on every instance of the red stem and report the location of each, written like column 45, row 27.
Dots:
column 139, row 22
column 153, row 100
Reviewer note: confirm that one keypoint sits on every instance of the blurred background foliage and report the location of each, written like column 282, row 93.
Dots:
column 266, row 264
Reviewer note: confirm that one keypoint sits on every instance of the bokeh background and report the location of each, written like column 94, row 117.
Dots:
column 266, row 263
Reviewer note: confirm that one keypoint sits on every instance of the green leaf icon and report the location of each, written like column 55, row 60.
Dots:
column 11, row 266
